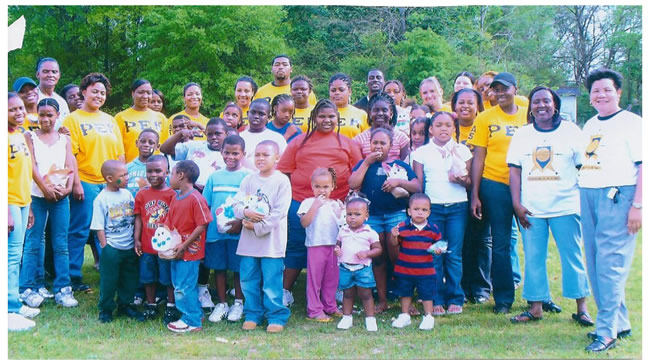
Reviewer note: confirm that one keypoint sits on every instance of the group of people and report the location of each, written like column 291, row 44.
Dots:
column 385, row 195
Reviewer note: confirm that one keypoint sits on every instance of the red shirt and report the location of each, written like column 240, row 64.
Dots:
column 152, row 206
column 320, row 150
column 185, row 214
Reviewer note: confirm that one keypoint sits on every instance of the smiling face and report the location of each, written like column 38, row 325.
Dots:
column 300, row 92
column 395, row 92
column 156, row 173
column 442, row 129
column 47, row 116
column 142, row 96
column 322, row 185
column 356, row 214
column 16, row 112
column 542, row 106
column 466, row 106
column 281, row 69
column 484, row 86
column 339, row 93
column 215, row 134
column 243, row 94
column 94, row 96
column 232, row 116
column 462, row 82
column 431, row 96
column 326, row 120
column 258, row 117
column 375, row 81
column 193, row 97
column 48, row 74
column 232, row 156
column 29, row 94
column 504, row 95
column 604, row 96
column 381, row 114
column 147, row 143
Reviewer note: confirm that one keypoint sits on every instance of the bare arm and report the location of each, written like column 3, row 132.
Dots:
column 515, row 193
column 306, row 219
column 101, row 235
column 478, row 163
column 48, row 192
column 634, row 215
column 137, row 232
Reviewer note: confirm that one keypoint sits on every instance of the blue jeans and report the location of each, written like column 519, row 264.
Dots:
column 58, row 213
column 477, row 258
column 567, row 235
column 14, row 254
column 514, row 258
column 255, row 272
column 497, row 211
column 609, row 251
column 185, row 274
column 451, row 220
column 296, row 253
column 81, row 214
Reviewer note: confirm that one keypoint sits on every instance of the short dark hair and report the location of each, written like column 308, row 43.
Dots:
column 158, row 158
column 272, row 143
column 603, row 73
column 93, row 78
column 235, row 140
column 419, row 196
column 217, row 121
column 557, row 104
column 43, row 60
column 149, row 130
column 261, row 101
column 281, row 56
column 189, row 168
column 302, row 78
column 66, row 88
column 383, row 131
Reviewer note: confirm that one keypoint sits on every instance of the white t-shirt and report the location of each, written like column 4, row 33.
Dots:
column 324, row 228
column 436, row 168
column 253, row 139
column 612, row 151
column 63, row 106
column 548, row 160
column 49, row 157
column 198, row 152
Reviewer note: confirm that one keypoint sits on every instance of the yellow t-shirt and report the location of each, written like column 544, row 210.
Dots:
column 301, row 118
column 30, row 123
column 493, row 129
column 269, row 91
column 131, row 122
column 95, row 139
column 19, row 170
column 464, row 134
column 167, row 130
column 353, row 121
column 519, row 101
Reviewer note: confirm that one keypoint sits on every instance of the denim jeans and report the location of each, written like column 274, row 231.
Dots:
column 497, row 211
column 514, row 257
column 567, row 235
column 58, row 213
column 81, row 215
column 185, row 275
column 14, row 254
column 451, row 220
column 256, row 272
column 477, row 258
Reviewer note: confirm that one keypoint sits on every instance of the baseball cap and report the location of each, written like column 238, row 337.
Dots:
column 21, row 82
column 504, row 78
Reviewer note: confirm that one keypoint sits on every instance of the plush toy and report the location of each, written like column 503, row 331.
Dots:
column 57, row 177
column 458, row 167
column 164, row 240
column 258, row 203
column 225, row 214
column 396, row 172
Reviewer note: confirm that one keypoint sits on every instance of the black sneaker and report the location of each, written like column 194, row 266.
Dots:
column 79, row 286
column 501, row 309
column 150, row 312
column 131, row 312
column 171, row 315
column 105, row 316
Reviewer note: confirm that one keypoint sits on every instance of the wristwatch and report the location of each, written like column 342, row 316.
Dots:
column 636, row 205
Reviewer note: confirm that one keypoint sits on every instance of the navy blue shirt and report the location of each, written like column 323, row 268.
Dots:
column 380, row 201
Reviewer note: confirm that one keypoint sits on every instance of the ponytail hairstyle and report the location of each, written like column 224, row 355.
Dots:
column 138, row 83
column 190, row 84
column 277, row 100
column 48, row 102
column 382, row 96
column 311, row 124
column 467, row 74
column 230, row 104
column 479, row 99
column 320, row 171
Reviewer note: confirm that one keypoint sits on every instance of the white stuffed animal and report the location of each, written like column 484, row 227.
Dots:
column 396, row 172
column 458, row 167
column 225, row 214
column 164, row 240
column 258, row 203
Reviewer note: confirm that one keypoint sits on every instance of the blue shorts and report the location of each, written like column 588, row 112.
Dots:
column 221, row 255
column 363, row 278
column 386, row 222
column 404, row 287
column 154, row 269
column 295, row 256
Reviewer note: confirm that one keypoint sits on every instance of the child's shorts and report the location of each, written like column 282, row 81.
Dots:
column 154, row 270
column 386, row 222
column 363, row 277
column 404, row 287
column 221, row 255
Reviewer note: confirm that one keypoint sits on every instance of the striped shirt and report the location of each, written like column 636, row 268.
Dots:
column 400, row 140
column 413, row 259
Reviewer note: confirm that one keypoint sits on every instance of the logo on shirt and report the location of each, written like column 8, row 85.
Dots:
column 157, row 210
column 590, row 153
column 18, row 148
column 543, row 162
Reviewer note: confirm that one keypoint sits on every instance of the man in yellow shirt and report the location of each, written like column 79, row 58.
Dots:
column 281, row 70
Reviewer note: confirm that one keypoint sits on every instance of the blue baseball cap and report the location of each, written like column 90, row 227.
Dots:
column 21, row 82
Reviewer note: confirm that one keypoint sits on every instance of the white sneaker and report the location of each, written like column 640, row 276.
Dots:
column 137, row 300
column 403, row 320
column 204, row 296
column 236, row 310
column 17, row 322
column 29, row 312
column 339, row 296
column 287, row 298
column 345, row 323
column 45, row 293
column 371, row 324
column 31, row 298
column 65, row 298
column 219, row 313
column 427, row 323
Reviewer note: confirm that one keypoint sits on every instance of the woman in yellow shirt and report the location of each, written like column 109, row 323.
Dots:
column 138, row 117
column 19, row 213
column 352, row 120
column 193, row 98
column 95, row 138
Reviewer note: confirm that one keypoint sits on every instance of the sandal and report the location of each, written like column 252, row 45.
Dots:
column 323, row 319
column 413, row 311
column 380, row 309
column 438, row 310
column 525, row 316
column 583, row 319
column 454, row 309
column 550, row 306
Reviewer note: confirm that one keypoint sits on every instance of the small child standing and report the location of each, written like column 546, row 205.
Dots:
column 147, row 144
column 221, row 247
column 265, row 198
column 414, row 266
column 151, row 208
column 118, row 265
column 320, row 216
column 356, row 245
column 189, row 215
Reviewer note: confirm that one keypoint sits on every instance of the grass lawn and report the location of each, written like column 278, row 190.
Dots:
column 476, row 334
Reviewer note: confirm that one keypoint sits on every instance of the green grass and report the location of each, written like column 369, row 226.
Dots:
column 476, row 334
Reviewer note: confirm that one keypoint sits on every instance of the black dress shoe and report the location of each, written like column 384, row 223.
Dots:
column 105, row 316
column 550, row 306
column 598, row 345
column 621, row 334
column 79, row 286
column 131, row 312
column 501, row 309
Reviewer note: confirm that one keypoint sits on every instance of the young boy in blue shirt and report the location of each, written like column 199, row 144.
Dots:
column 148, row 144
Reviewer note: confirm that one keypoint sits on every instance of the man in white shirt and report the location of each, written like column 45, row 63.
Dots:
column 48, row 75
